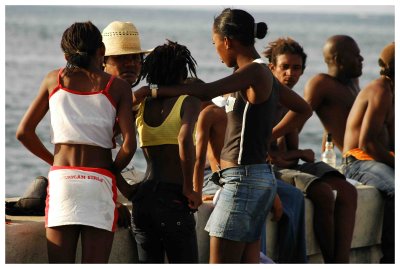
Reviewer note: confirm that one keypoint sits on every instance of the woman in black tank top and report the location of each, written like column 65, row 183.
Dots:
column 250, row 112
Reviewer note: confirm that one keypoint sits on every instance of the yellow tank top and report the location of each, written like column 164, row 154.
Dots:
column 167, row 132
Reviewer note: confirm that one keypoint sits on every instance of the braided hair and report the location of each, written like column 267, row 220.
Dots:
column 168, row 64
column 79, row 43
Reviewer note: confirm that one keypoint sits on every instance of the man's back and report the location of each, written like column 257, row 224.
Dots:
column 332, row 101
column 370, row 123
column 331, row 95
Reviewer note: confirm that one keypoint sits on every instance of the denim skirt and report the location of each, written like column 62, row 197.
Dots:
column 246, row 197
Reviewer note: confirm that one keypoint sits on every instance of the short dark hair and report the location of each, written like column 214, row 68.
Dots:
column 168, row 64
column 283, row 46
column 79, row 43
column 240, row 25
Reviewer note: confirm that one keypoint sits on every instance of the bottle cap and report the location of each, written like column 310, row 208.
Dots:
column 329, row 137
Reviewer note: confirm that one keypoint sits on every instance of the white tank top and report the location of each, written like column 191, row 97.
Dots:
column 82, row 117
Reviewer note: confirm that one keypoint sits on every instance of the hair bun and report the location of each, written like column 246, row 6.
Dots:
column 261, row 30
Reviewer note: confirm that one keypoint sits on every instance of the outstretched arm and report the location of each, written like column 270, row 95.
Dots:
column 250, row 76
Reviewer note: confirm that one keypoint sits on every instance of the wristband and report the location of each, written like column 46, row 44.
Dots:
column 154, row 89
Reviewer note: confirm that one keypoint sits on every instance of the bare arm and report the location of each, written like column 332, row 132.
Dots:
column 191, row 109
column 202, row 137
column 26, row 132
column 254, row 78
column 313, row 94
column 217, row 137
column 293, row 151
column 127, row 126
column 299, row 112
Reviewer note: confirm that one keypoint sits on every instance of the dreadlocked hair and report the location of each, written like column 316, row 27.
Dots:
column 79, row 44
column 168, row 64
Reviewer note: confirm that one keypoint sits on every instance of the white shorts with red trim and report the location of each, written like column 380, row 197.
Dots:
column 81, row 195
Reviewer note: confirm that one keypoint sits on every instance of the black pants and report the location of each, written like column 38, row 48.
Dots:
column 162, row 223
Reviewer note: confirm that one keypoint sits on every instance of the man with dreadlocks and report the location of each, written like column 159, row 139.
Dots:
column 162, row 214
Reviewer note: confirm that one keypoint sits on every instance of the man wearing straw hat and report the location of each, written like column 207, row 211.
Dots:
column 123, row 58
column 124, row 55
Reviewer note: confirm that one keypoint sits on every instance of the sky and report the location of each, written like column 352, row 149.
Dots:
column 370, row 9
column 306, row 5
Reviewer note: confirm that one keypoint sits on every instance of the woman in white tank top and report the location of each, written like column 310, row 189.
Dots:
column 84, row 103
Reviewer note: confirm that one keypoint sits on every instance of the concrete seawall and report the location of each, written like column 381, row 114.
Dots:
column 26, row 240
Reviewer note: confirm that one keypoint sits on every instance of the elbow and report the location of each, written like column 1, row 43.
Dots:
column 185, row 141
column 21, row 134
column 308, row 111
column 130, row 149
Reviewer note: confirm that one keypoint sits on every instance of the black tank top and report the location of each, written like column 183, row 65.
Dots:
column 249, row 128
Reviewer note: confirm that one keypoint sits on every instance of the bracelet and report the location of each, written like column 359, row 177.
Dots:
column 154, row 89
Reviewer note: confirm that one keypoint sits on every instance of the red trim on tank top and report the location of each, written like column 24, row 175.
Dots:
column 107, row 94
column 104, row 91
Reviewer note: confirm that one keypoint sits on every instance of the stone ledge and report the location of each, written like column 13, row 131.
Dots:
column 26, row 241
column 366, row 237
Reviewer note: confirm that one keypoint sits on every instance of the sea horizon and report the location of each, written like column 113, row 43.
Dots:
column 33, row 33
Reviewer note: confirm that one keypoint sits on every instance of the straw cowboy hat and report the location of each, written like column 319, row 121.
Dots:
column 122, row 38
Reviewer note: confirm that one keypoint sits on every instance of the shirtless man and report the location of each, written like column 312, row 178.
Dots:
column 369, row 143
column 210, row 135
column 333, row 218
column 331, row 95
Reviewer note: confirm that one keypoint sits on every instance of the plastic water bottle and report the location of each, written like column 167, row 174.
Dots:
column 329, row 155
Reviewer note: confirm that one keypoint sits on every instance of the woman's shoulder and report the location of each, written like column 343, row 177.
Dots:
column 191, row 100
column 118, row 84
column 257, row 69
column 51, row 78
column 53, row 73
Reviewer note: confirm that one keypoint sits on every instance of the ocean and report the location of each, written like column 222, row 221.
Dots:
column 32, row 48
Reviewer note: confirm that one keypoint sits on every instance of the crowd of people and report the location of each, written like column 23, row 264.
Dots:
column 234, row 141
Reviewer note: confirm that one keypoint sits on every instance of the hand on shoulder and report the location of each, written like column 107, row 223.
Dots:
column 140, row 94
